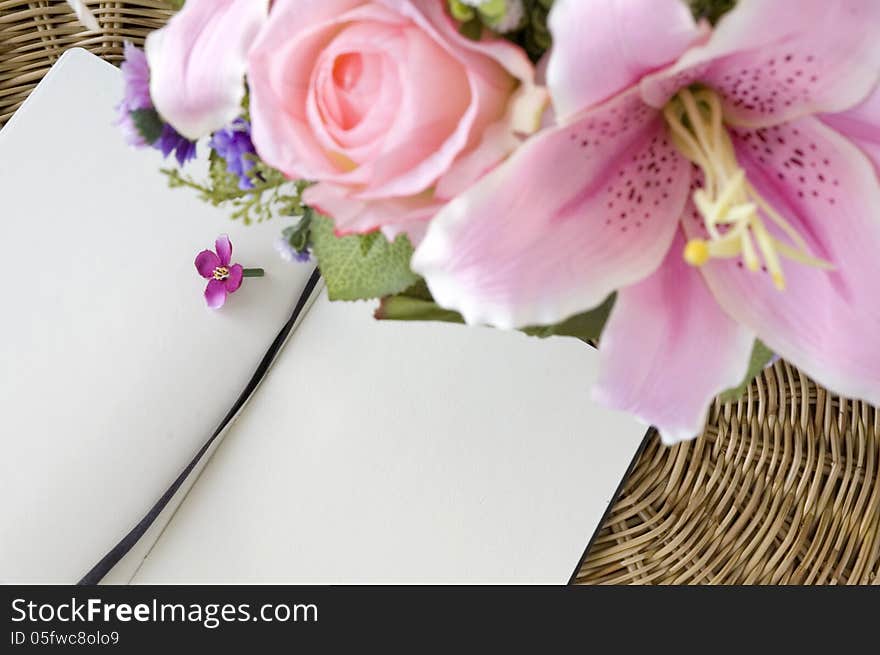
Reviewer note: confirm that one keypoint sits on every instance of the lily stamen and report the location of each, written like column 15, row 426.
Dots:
column 728, row 203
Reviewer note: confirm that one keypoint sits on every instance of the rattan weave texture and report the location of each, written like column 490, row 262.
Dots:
column 782, row 487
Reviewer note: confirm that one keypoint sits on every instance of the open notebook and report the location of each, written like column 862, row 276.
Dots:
column 370, row 453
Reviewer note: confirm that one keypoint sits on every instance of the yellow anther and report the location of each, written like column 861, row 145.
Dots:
column 731, row 208
column 696, row 252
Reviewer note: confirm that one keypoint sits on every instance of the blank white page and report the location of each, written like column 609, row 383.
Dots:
column 114, row 372
column 404, row 453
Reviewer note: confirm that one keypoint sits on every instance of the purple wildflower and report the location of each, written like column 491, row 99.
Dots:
column 289, row 253
column 136, row 76
column 223, row 277
column 233, row 143
column 170, row 141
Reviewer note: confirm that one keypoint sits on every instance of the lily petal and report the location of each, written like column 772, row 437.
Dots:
column 601, row 47
column 215, row 294
column 776, row 60
column 861, row 125
column 825, row 322
column 197, row 63
column 509, row 254
column 206, row 262
column 668, row 349
column 224, row 249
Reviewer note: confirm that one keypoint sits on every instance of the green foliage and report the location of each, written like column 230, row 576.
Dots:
column 761, row 356
column 407, row 308
column 175, row 4
column 360, row 267
column 299, row 236
column 586, row 326
column 532, row 33
column 273, row 194
column 416, row 304
column 536, row 38
column 711, row 10
column 148, row 123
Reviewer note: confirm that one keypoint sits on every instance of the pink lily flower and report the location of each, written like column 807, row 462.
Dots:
column 222, row 277
column 718, row 181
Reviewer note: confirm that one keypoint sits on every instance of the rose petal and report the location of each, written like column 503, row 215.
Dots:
column 354, row 216
column 280, row 67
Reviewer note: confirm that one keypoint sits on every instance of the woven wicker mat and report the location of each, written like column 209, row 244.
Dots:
column 782, row 487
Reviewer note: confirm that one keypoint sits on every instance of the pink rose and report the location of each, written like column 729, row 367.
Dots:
column 385, row 105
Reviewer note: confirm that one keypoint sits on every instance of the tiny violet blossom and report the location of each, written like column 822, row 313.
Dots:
column 223, row 277
column 136, row 77
column 720, row 181
column 290, row 254
column 234, row 145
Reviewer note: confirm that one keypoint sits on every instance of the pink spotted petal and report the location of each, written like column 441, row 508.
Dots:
column 236, row 272
column 508, row 253
column 602, row 47
column 206, row 262
column 861, row 125
column 224, row 249
column 776, row 60
column 197, row 63
column 668, row 349
column 826, row 323
column 215, row 293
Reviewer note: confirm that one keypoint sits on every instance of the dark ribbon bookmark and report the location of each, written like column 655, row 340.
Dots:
column 97, row 573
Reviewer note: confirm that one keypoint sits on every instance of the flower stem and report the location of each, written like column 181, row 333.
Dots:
column 253, row 272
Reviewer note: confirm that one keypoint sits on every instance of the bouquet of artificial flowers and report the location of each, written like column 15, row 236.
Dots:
column 677, row 181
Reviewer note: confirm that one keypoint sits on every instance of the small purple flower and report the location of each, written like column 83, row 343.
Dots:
column 289, row 253
column 233, row 143
column 222, row 277
column 136, row 76
column 170, row 141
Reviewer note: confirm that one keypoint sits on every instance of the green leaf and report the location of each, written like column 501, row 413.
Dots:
column 299, row 235
column 416, row 304
column 761, row 356
column 148, row 123
column 405, row 308
column 460, row 11
column 355, row 272
column 473, row 29
column 587, row 326
column 711, row 10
